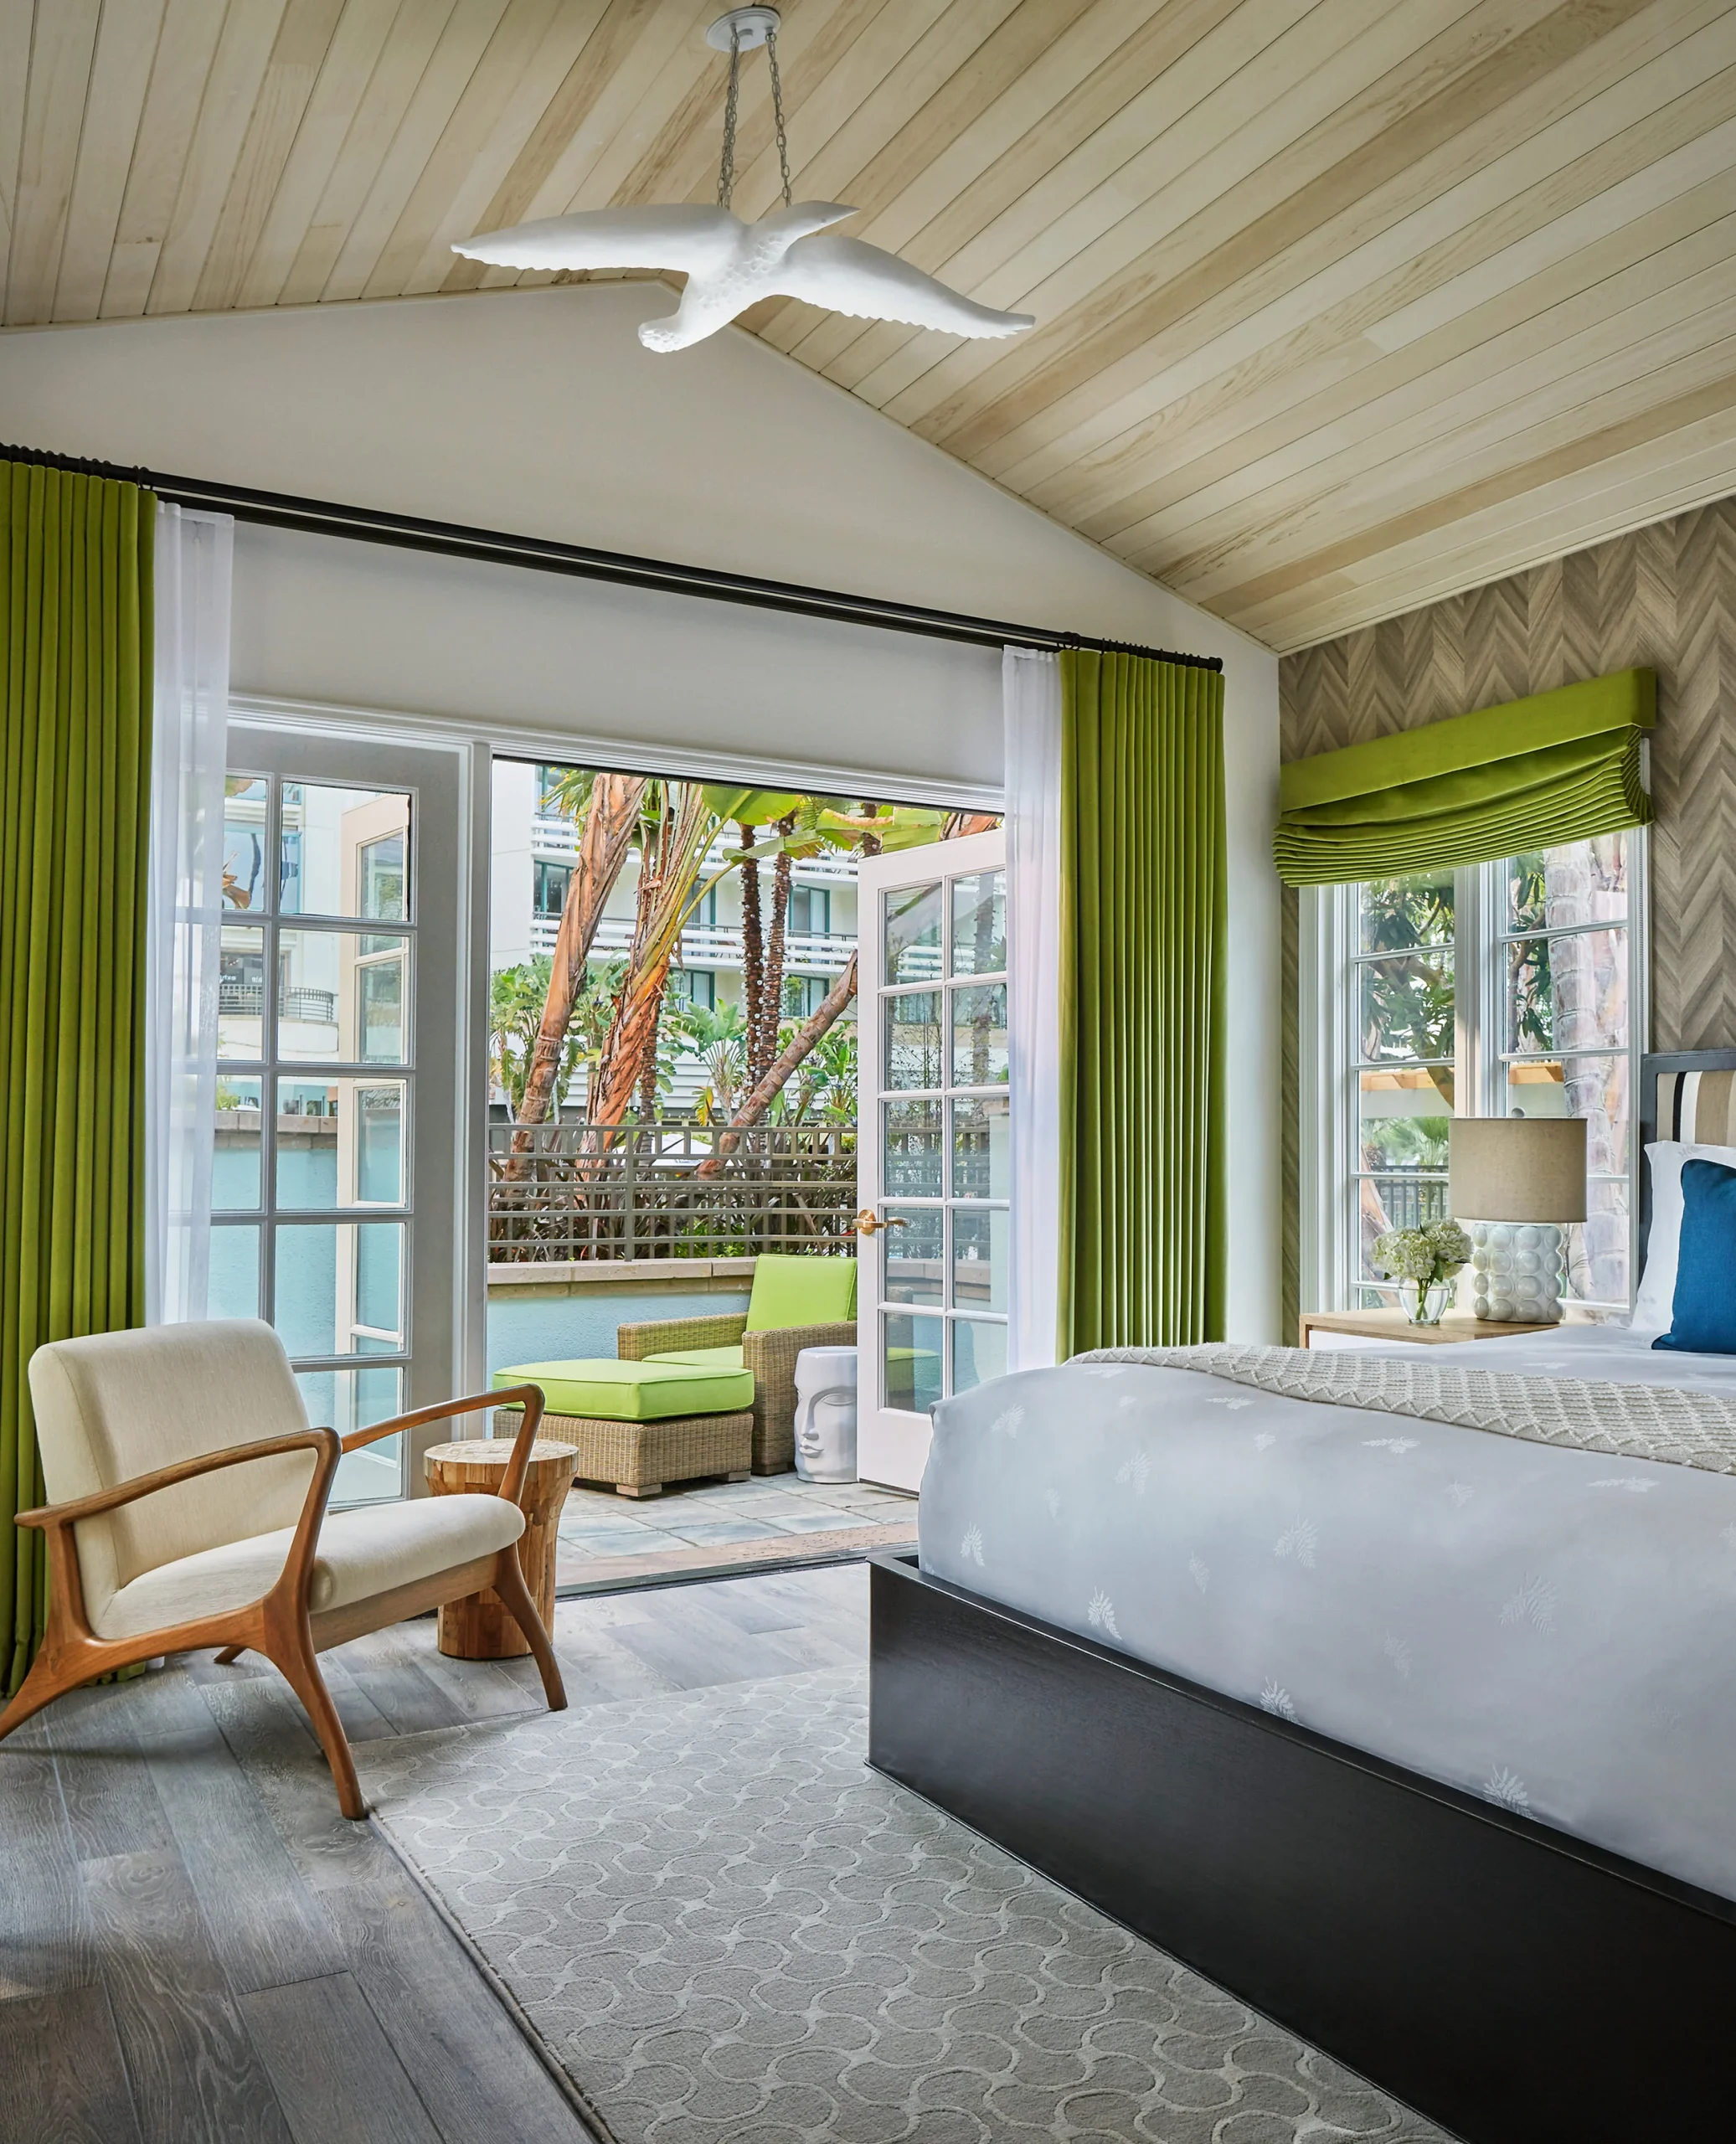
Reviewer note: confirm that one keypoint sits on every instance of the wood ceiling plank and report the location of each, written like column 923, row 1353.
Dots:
column 119, row 72
column 377, row 114
column 1308, row 187
column 1578, row 384
column 16, row 21
column 688, row 76
column 1235, row 69
column 232, row 88
column 444, row 82
column 1714, row 401
column 1197, row 222
column 1631, row 491
column 1668, row 150
column 1628, row 268
column 48, row 159
column 486, row 129
column 614, row 30
column 185, row 50
column 298, row 56
column 337, row 95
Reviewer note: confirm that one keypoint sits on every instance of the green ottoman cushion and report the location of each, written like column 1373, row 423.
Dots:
column 704, row 1358
column 634, row 1392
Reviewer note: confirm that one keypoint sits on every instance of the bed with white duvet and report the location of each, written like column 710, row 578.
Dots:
column 1553, row 1628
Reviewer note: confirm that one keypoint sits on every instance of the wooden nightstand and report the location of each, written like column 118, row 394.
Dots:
column 1387, row 1325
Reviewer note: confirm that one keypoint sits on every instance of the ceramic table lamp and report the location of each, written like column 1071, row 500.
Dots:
column 1513, row 1182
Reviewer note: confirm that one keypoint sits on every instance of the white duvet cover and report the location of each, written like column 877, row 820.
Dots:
column 1554, row 1630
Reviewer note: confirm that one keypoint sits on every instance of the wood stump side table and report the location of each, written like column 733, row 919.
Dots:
column 478, row 1628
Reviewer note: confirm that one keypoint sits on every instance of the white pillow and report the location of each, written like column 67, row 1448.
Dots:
column 1655, row 1305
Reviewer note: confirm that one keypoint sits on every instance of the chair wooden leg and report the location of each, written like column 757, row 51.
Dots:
column 40, row 1687
column 229, row 1655
column 515, row 1598
column 293, row 1656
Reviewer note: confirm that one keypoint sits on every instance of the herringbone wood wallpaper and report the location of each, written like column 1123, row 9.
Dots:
column 1664, row 596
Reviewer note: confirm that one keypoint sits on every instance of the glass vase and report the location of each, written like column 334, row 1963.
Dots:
column 1424, row 1302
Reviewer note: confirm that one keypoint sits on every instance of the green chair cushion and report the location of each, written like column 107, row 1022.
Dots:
column 704, row 1358
column 791, row 1290
column 635, row 1392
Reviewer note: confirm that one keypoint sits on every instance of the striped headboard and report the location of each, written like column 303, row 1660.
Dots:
column 1688, row 1094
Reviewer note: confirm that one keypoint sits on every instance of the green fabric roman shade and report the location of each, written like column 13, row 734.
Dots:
column 1558, row 767
column 1144, row 889
column 75, row 557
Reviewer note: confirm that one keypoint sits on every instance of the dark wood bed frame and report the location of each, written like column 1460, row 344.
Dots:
column 1511, row 1982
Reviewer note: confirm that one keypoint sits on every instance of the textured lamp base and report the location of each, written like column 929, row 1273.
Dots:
column 1516, row 1271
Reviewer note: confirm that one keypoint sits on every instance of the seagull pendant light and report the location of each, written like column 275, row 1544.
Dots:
column 731, row 264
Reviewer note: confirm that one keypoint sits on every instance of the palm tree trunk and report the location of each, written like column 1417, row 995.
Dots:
column 753, row 951
column 771, row 1085
column 771, row 989
column 610, row 817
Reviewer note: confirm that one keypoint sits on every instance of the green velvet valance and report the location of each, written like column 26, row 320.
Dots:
column 1558, row 767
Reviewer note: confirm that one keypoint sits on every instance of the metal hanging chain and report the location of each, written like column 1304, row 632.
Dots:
column 777, row 109
column 726, row 170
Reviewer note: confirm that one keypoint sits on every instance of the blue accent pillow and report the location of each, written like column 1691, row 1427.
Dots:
column 1703, row 1315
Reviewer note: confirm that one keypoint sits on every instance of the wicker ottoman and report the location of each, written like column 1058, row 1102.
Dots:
column 639, row 1457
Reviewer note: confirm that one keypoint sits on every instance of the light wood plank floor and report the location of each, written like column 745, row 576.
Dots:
column 194, row 1946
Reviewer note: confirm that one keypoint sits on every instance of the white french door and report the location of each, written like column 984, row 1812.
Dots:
column 335, row 1175
column 934, row 1142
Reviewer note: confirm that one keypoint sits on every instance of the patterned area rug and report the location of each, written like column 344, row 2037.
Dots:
column 727, row 1930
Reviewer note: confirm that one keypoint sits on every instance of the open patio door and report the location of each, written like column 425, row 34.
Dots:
column 935, row 1152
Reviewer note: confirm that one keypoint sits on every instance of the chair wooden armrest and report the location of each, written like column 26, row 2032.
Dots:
column 669, row 1336
column 47, row 1516
column 527, row 1396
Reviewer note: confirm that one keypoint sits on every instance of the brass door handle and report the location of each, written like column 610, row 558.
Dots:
column 866, row 1222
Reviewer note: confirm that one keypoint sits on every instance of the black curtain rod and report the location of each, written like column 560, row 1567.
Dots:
column 452, row 539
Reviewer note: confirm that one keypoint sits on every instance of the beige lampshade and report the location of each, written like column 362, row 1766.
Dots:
column 1516, row 1168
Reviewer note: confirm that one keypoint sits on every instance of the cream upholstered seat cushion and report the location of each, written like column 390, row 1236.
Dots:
column 114, row 1405
column 363, row 1552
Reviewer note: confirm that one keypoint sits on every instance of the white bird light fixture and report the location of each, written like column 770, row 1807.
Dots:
column 730, row 264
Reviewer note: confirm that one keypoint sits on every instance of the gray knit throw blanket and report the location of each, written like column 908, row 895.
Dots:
column 1630, row 1421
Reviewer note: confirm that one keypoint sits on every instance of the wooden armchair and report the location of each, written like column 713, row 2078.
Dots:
column 230, row 1545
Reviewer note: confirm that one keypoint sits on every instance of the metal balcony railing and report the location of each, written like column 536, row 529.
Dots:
column 633, row 1191
column 710, row 946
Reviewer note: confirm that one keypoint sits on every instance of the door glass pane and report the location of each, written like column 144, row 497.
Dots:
column 339, row 1287
column 979, row 1353
column 235, row 1288
column 980, row 1250
column 245, row 804
column 235, row 1162
column 982, row 1148
column 1397, row 913
column 340, row 1142
column 979, row 924
column 913, row 934
column 345, row 851
column 979, row 1035
column 241, row 992
column 913, row 1039
column 910, row 1152
column 1567, row 994
column 913, row 1254
column 346, row 1400
column 341, row 995
column 1597, row 1247
column 1404, row 1114
column 911, row 1368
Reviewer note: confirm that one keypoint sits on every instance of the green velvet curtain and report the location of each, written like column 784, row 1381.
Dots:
column 1144, row 889
column 75, row 654
column 1557, row 767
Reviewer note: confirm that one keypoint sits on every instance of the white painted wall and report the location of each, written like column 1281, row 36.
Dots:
column 539, row 413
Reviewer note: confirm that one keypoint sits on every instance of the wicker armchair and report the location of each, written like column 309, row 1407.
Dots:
column 770, row 1356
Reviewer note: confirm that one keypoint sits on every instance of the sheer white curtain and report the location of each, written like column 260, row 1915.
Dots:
column 1031, row 683
column 194, row 554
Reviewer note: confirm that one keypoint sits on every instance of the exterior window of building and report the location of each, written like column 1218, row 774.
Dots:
column 697, row 985
column 548, row 889
column 810, row 911
column 803, row 994
column 382, row 876
column 549, row 783
column 1507, row 988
